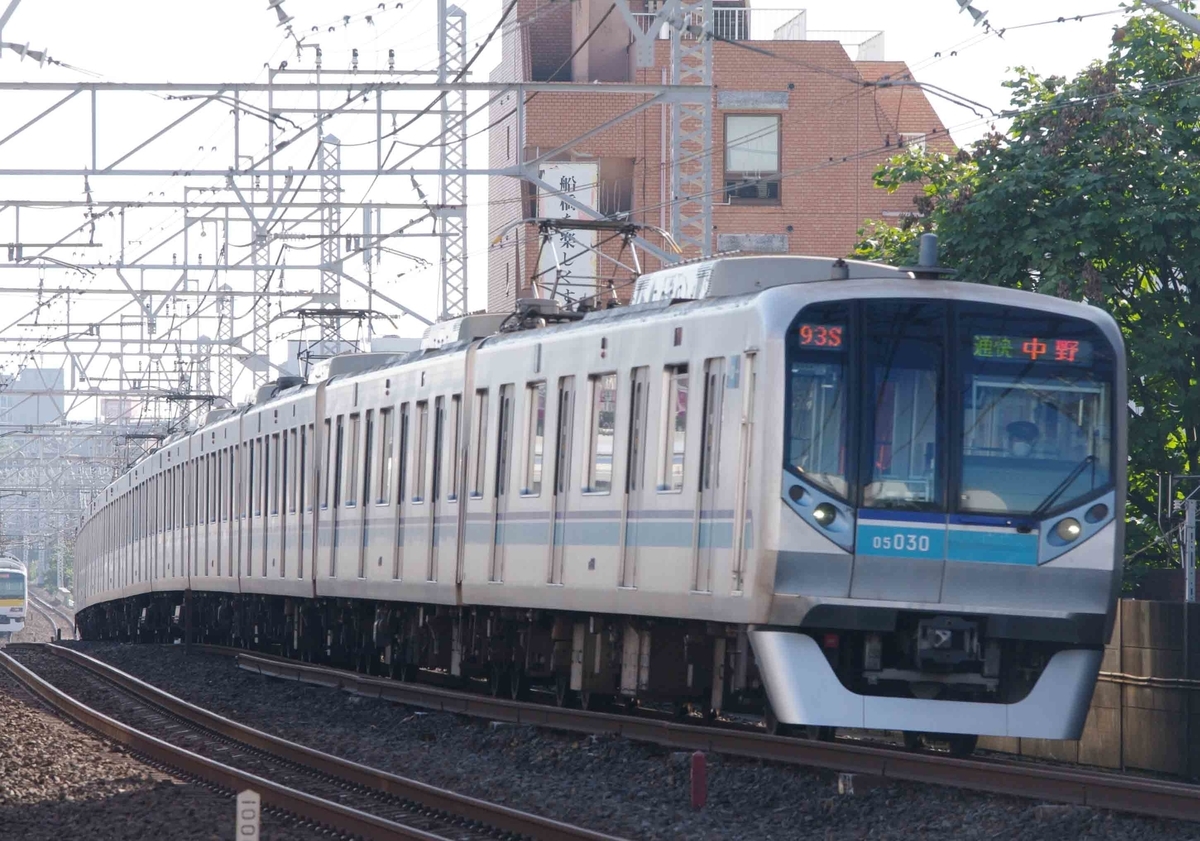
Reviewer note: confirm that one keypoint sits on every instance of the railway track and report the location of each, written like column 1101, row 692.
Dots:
column 345, row 796
column 1100, row 789
column 59, row 618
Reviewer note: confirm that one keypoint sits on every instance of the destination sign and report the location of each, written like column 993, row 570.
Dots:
column 1032, row 349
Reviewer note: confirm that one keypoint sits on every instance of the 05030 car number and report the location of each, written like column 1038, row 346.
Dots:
column 901, row 542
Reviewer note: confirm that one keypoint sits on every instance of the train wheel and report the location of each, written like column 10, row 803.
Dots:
column 518, row 683
column 563, row 695
column 498, row 679
column 961, row 744
column 595, row 701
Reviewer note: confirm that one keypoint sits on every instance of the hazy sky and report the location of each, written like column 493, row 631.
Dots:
column 230, row 40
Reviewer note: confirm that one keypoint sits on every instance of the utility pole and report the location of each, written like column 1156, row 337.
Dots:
column 1175, row 13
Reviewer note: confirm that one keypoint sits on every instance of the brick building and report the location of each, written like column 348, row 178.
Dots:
column 796, row 136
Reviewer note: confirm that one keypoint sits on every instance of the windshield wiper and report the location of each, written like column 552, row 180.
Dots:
column 1045, row 504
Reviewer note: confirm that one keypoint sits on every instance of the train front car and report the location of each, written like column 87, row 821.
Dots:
column 950, row 518
column 12, row 596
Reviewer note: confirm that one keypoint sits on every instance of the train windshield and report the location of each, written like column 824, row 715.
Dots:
column 817, row 431
column 1036, row 412
column 941, row 407
column 12, row 585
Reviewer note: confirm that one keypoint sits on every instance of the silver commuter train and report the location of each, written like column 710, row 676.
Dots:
column 14, row 595
column 852, row 496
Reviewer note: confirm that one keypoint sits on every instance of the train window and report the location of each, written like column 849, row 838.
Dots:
column 504, row 439
column 279, row 471
column 368, row 454
column 453, row 455
column 235, row 476
column 1036, row 411
column 639, row 393
column 602, row 429
column 339, row 450
column 387, row 457
column 422, row 420
column 326, row 463
column 302, row 485
column 351, row 468
column 535, row 438
column 402, row 458
column 439, row 441
column 295, row 476
column 252, row 467
column 287, row 472
column 674, row 435
column 903, row 345
column 478, row 442
column 267, row 481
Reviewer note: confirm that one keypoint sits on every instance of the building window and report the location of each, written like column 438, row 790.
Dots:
column 752, row 146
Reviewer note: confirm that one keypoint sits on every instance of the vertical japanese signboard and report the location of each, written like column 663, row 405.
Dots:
column 576, row 268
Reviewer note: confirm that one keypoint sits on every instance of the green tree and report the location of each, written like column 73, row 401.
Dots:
column 1092, row 194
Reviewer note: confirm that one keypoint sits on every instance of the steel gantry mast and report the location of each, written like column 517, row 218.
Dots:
column 329, row 159
column 452, row 215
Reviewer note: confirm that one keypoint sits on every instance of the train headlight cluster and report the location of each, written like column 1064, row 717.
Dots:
column 1068, row 529
column 825, row 514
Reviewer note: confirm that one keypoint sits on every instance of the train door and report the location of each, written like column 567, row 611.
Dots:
column 635, row 475
column 363, row 488
column 709, row 529
column 504, row 442
column 439, row 430
column 562, row 474
column 304, row 501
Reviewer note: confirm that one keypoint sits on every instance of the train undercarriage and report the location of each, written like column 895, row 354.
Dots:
column 594, row 661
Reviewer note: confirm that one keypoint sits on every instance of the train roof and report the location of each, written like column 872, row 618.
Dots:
column 8, row 562
column 728, row 276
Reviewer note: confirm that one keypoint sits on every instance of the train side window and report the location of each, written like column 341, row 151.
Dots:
column 535, row 438
column 239, row 468
column 439, row 441
column 268, row 469
column 279, row 492
column 339, row 452
column 674, row 433
column 302, row 490
column 452, row 462
column 420, row 450
column 402, row 457
column 504, row 439
column 326, row 463
column 639, row 394
column 478, row 442
column 351, row 468
column 252, row 497
column 368, row 455
column 294, row 476
column 602, row 430
column 387, row 443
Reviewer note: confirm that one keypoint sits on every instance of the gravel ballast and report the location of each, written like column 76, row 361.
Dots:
column 610, row 784
column 59, row 783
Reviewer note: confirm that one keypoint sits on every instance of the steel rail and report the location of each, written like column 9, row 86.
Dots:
column 1099, row 789
column 68, row 618
column 324, row 812
column 37, row 606
column 495, row 816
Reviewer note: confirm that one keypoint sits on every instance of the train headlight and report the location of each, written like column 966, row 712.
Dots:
column 1068, row 529
column 824, row 514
